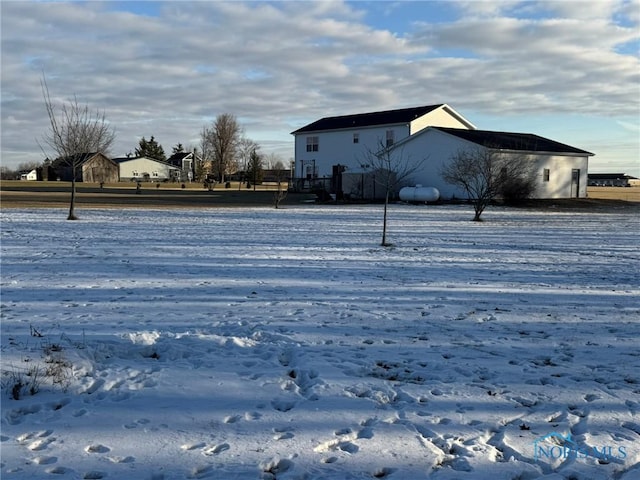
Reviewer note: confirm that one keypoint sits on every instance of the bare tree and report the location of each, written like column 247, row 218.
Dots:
column 220, row 141
column 391, row 170
column 486, row 174
column 246, row 147
column 281, row 175
column 74, row 132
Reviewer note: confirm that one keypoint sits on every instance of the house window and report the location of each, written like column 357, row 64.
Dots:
column 154, row 174
column 356, row 138
column 545, row 175
column 390, row 138
column 312, row 144
column 134, row 173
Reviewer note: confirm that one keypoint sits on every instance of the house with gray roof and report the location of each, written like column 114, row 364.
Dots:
column 436, row 133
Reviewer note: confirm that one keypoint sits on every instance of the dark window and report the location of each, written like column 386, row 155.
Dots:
column 312, row 144
column 390, row 138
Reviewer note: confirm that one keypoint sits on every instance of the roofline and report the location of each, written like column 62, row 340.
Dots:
column 126, row 159
column 348, row 128
column 505, row 150
column 510, row 150
column 441, row 106
column 433, row 108
column 542, row 152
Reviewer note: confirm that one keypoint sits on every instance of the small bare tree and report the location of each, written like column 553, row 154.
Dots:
column 74, row 132
column 281, row 175
column 486, row 174
column 391, row 170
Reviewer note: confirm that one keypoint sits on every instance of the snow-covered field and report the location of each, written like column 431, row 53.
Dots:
column 286, row 344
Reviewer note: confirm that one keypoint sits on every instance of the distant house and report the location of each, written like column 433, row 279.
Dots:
column 30, row 175
column 434, row 133
column 186, row 163
column 611, row 180
column 145, row 169
column 90, row 167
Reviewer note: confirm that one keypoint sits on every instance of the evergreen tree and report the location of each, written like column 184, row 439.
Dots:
column 178, row 149
column 151, row 149
column 254, row 169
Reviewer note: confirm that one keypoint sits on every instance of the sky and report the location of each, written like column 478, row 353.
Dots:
column 566, row 70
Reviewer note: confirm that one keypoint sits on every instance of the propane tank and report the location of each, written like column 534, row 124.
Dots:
column 419, row 194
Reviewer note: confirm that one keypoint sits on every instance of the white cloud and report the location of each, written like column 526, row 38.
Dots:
column 278, row 66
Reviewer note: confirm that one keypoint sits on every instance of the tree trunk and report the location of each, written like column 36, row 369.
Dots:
column 72, row 203
column 384, row 221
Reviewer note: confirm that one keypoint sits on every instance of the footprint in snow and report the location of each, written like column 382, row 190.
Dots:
column 283, row 436
column 127, row 459
column 348, row 447
column 14, row 417
column 252, row 416
column 282, row 405
column 634, row 427
column 201, row 471
column 383, row 472
column 285, row 358
column 232, row 418
column 276, row 466
column 283, row 433
column 94, row 475
column 215, row 449
column 58, row 470
column 94, row 386
column 41, row 444
column 97, row 448
column 192, row 446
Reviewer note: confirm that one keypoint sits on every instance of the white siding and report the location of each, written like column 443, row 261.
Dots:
column 560, row 176
column 337, row 147
column 434, row 149
column 136, row 168
column 438, row 147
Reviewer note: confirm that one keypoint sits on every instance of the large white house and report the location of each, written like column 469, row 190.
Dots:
column 145, row 169
column 432, row 134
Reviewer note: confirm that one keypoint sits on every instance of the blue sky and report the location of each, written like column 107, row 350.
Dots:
column 566, row 70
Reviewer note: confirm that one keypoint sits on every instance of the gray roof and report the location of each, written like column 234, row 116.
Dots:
column 404, row 115
column 512, row 141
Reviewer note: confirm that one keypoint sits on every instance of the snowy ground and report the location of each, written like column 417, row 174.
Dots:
column 286, row 344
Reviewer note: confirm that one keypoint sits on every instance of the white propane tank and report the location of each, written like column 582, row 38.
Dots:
column 419, row 194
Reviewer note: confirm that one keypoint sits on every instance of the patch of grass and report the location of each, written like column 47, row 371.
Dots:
column 53, row 369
